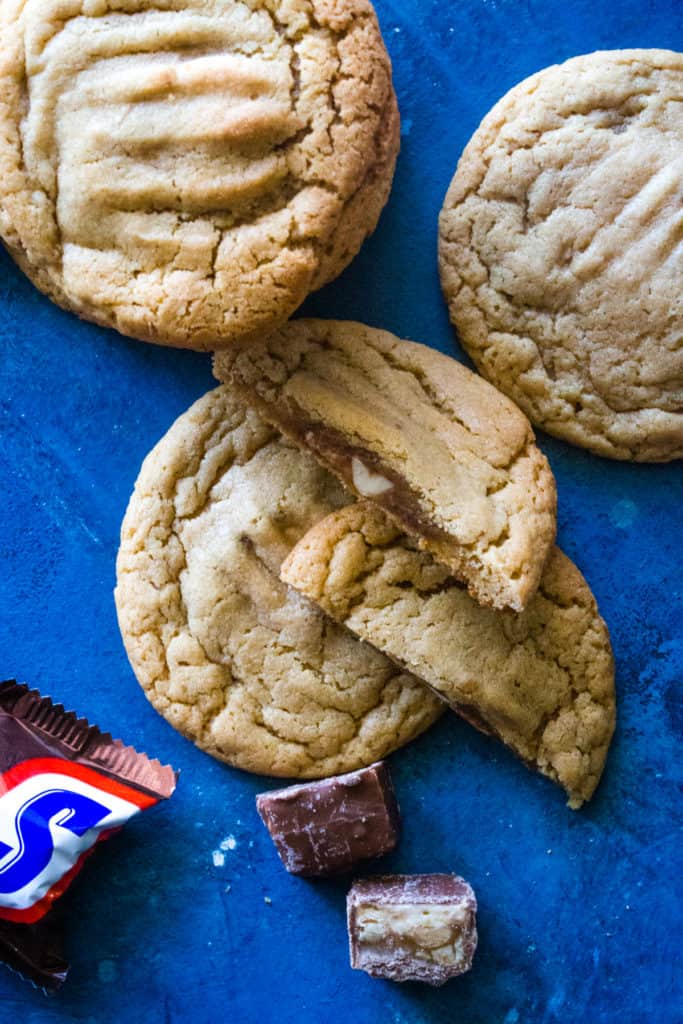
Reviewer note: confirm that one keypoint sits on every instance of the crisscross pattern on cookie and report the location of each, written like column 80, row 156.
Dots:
column 561, row 251
column 188, row 171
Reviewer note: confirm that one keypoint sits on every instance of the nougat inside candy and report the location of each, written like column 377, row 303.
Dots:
column 412, row 927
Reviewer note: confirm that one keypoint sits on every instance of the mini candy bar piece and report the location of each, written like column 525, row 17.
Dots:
column 324, row 828
column 64, row 786
column 412, row 927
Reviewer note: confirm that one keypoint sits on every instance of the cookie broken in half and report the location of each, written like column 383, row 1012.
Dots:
column 541, row 681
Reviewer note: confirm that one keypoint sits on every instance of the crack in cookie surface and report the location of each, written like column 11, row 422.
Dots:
column 561, row 251
column 238, row 662
column 188, row 172
column 541, row 681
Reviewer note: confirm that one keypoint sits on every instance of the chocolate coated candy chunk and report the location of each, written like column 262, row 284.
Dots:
column 324, row 828
column 412, row 927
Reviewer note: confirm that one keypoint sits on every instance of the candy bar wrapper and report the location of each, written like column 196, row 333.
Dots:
column 64, row 787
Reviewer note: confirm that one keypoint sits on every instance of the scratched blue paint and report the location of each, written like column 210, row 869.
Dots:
column 580, row 913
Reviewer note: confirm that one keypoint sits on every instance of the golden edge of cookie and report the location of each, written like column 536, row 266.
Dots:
column 648, row 436
column 331, row 252
column 318, row 566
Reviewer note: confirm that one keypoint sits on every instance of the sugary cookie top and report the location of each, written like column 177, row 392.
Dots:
column 245, row 667
column 561, row 254
column 187, row 171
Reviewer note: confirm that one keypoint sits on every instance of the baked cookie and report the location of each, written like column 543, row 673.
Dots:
column 542, row 682
column 444, row 453
column 250, row 671
column 561, row 256
column 188, row 172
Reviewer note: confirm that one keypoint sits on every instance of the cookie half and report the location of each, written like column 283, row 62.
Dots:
column 441, row 451
column 542, row 681
column 187, row 173
column 253, row 673
column 560, row 251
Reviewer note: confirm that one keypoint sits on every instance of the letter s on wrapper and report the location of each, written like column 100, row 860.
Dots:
column 64, row 786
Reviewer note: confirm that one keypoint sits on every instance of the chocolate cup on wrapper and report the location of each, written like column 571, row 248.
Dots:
column 64, row 786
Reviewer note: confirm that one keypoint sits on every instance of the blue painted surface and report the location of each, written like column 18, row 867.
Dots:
column 580, row 913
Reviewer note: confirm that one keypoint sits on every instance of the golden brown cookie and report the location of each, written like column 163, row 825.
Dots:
column 253, row 673
column 187, row 172
column 445, row 454
column 541, row 681
column 561, row 256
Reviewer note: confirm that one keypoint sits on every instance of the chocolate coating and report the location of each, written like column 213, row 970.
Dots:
column 324, row 828
column 412, row 927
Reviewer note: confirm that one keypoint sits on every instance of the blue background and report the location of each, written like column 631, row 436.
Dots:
column 580, row 913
